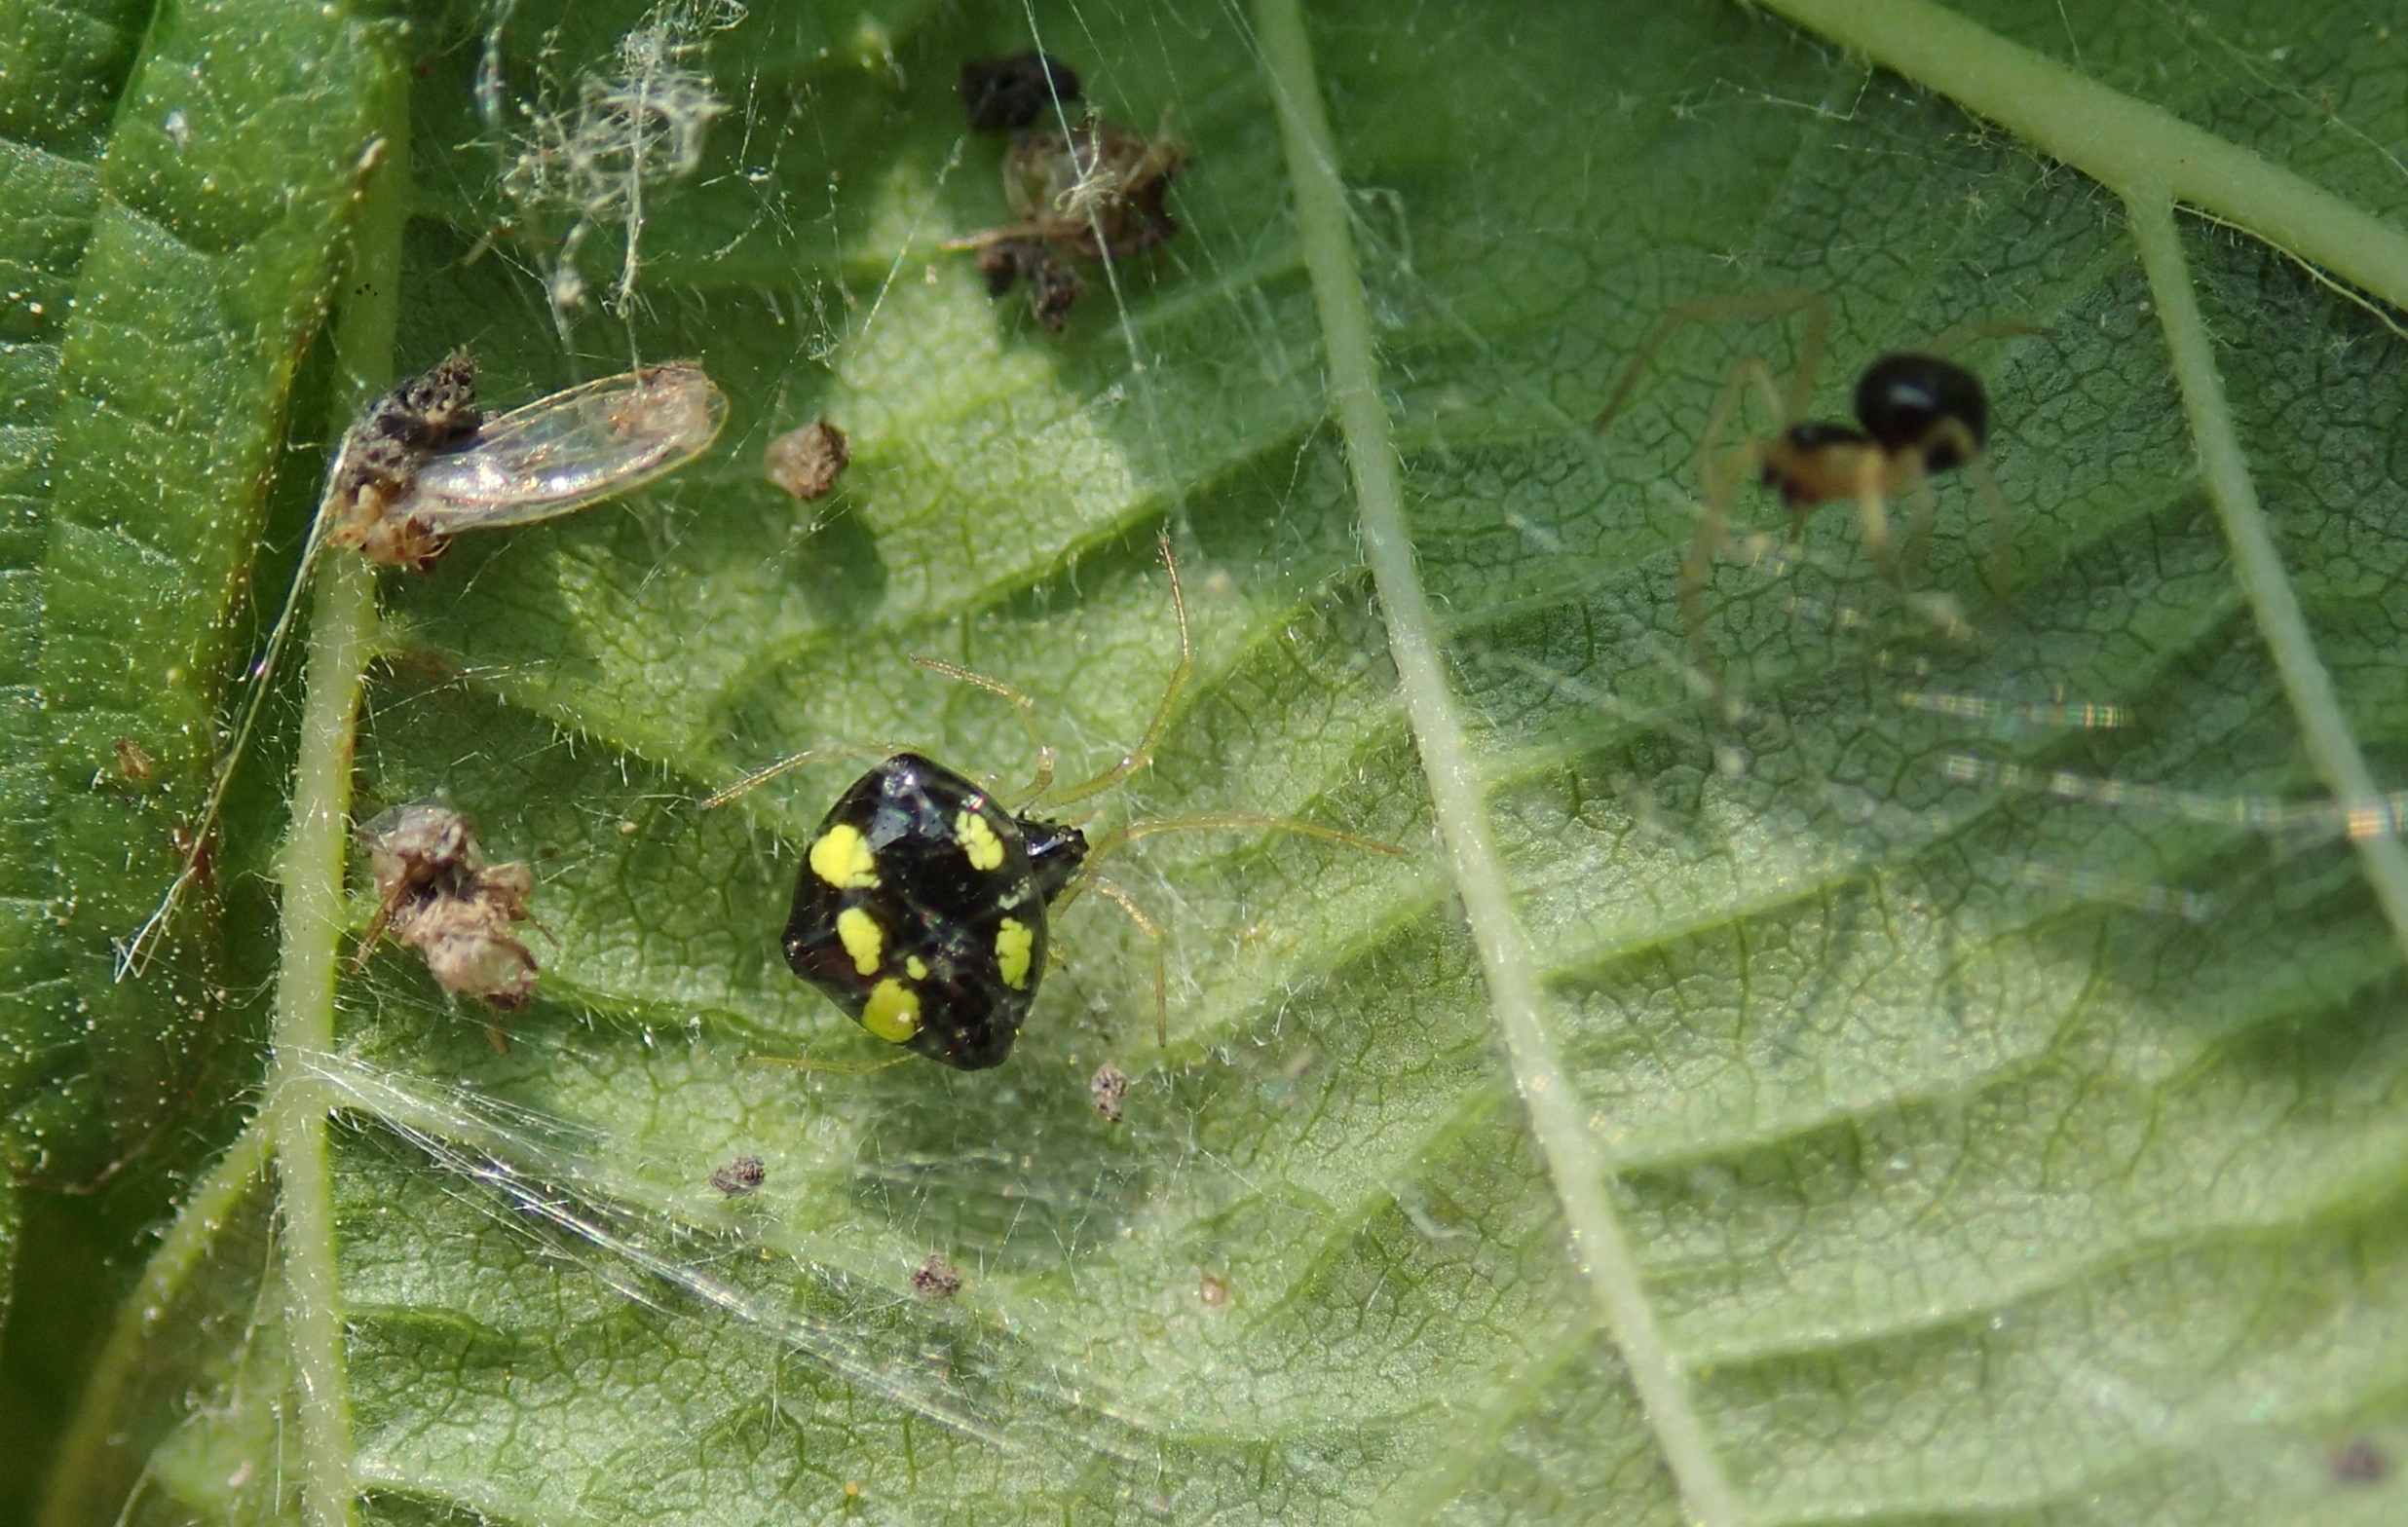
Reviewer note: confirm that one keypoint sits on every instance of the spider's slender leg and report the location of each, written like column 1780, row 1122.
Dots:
column 1721, row 472
column 1143, row 753
column 1154, row 935
column 1957, row 336
column 1022, row 706
column 1872, row 509
column 1759, row 304
column 1951, row 436
column 769, row 771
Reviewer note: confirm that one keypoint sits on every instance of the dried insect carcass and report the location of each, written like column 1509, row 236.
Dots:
column 936, row 1279
column 740, row 1177
column 1095, row 192
column 1109, row 1089
column 382, row 453
column 424, row 466
column 436, row 893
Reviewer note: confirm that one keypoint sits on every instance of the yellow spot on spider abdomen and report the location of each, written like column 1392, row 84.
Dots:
column 1012, row 939
column 978, row 841
column 914, row 967
column 892, row 1012
column 844, row 859
column 864, row 940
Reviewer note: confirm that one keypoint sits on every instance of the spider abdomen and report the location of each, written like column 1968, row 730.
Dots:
column 1934, row 408
column 920, row 910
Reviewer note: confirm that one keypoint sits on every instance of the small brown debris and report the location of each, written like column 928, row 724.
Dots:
column 807, row 461
column 134, row 764
column 2361, row 1461
column 1095, row 192
column 1054, row 288
column 1213, row 1290
column 437, row 894
column 200, row 854
column 936, row 1277
column 740, row 1177
column 1108, row 1086
column 1002, row 94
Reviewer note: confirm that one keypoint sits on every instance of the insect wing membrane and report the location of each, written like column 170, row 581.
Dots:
column 561, row 453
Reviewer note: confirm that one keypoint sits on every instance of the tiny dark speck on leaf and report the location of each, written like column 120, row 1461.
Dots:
column 936, row 1277
column 2360, row 1461
column 134, row 763
column 739, row 1177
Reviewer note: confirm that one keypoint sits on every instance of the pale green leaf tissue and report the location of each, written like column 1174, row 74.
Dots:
column 1962, row 1080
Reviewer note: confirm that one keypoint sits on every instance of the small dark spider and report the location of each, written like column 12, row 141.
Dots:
column 924, row 905
column 1918, row 417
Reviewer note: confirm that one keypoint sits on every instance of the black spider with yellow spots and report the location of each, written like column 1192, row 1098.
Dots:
column 921, row 910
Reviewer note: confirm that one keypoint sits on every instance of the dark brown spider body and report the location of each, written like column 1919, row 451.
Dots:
column 1922, row 403
column 1918, row 417
column 1922, row 416
column 1813, row 464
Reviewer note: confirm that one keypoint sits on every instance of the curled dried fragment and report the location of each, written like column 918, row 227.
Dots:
column 135, row 764
column 807, row 461
column 740, row 1177
column 1054, row 288
column 936, row 1277
column 1109, row 1088
column 1095, row 192
column 437, row 894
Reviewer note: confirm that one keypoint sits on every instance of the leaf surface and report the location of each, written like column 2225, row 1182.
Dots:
column 1960, row 1078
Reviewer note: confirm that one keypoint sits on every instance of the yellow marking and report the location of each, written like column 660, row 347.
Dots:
column 864, row 940
column 1012, row 939
column 892, row 1012
column 978, row 841
column 916, row 967
column 843, row 858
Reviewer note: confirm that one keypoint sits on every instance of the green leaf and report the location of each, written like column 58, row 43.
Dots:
column 1953, row 1072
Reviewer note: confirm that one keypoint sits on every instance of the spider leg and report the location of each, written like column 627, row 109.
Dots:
column 1999, row 568
column 1720, row 473
column 1022, row 706
column 1211, row 821
column 1143, row 753
column 1757, row 305
column 1873, row 470
column 769, row 771
column 1959, row 335
column 1087, row 879
column 1918, row 540
column 1153, row 933
column 991, row 237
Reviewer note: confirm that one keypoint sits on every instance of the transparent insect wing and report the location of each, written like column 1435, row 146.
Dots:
column 561, row 453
